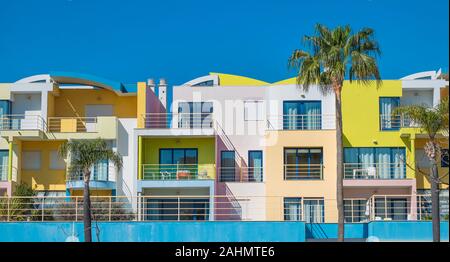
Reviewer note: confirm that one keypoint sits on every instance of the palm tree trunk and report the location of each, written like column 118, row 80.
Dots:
column 435, row 214
column 339, row 166
column 87, row 208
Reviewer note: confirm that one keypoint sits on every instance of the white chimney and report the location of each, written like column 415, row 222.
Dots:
column 162, row 92
column 151, row 84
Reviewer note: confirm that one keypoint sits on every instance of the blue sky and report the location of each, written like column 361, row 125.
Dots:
column 179, row 40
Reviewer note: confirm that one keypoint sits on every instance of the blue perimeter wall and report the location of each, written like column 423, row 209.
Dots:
column 217, row 231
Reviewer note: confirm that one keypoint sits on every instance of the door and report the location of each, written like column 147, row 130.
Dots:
column 227, row 166
column 255, row 166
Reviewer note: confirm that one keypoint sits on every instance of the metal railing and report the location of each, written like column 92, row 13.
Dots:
column 72, row 124
column 301, row 122
column 178, row 171
column 178, row 120
column 303, row 171
column 395, row 122
column 217, row 208
column 240, row 174
column 22, row 122
column 375, row 171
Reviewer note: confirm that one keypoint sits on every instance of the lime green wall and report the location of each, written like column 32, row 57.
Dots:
column 361, row 124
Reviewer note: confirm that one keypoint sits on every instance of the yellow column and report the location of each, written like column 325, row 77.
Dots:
column 412, row 156
column 10, row 162
column 140, row 176
column 141, row 103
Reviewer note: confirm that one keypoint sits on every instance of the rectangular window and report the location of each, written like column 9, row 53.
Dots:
column 391, row 208
column 255, row 165
column 302, row 163
column 227, row 166
column 5, row 109
column 388, row 121
column 178, row 163
column 177, row 209
column 355, row 210
column 56, row 162
column 4, row 164
column 302, row 115
column 314, row 210
column 31, row 160
column 292, row 208
column 195, row 115
column 253, row 111
column 374, row 163
column 444, row 158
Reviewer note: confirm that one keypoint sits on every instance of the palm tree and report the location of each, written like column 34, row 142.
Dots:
column 432, row 121
column 83, row 155
column 330, row 56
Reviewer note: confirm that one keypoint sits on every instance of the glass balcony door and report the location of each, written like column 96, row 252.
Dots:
column 195, row 114
column 302, row 115
column 302, row 163
column 255, row 166
column 176, row 209
column 227, row 166
column 4, row 163
column 388, row 121
column 178, row 163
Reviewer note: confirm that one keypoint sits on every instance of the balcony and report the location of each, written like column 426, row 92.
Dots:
column 178, row 120
column 241, row 174
column 102, row 177
column 175, row 172
column 301, row 122
column 395, row 122
column 303, row 171
column 365, row 171
column 82, row 127
column 27, row 126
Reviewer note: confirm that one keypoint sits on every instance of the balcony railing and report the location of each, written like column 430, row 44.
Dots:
column 303, row 171
column 395, row 122
column 375, row 171
column 178, row 120
column 240, row 174
column 72, row 124
column 21, row 122
column 177, row 171
column 301, row 122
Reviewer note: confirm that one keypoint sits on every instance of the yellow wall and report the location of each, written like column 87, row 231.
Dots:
column 5, row 93
column 45, row 178
column 277, row 187
column 141, row 103
column 72, row 102
column 422, row 178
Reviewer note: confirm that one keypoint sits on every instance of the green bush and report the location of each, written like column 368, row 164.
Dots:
column 20, row 207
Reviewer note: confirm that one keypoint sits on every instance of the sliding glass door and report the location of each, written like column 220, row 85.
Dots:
column 255, row 166
column 302, row 163
column 177, row 209
column 389, row 121
column 227, row 166
column 178, row 163
column 302, row 115
column 195, row 115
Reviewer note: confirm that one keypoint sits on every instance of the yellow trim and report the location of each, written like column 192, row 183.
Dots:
column 10, row 156
column 289, row 81
column 141, row 103
column 140, row 158
column 235, row 80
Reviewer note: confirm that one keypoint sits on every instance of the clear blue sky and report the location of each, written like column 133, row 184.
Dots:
column 132, row 40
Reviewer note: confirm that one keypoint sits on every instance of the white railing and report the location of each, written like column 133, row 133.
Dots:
column 240, row 174
column 178, row 120
column 178, row 171
column 374, row 171
column 218, row 208
column 395, row 122
column 301, row 122
column 22, row 122
column 72, row 124
column 303, row 171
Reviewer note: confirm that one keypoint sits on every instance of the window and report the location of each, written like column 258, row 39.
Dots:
column 388, row 121
column 302, row 115
column 444, row 158
column 292, row 208
column 253, row 111
column 4, row 163
column 424, row 204
column 205, row 83
column 178, row 163
column 375, row 163
column 56, row 162
column 5, row 109
column 195, row 115
column 314, row 210
column 177, row 209
column 31, row 160
column 255, row 165
column 422, row 160
column 391, row 208
column 227, row 166
column 302, row 163
column 355, row 210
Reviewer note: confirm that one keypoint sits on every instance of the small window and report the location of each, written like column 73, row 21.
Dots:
column 205, row 83
column 31, row 160
column 56, row 162
column 292, row 208
column 253, row 111
column 444, row 158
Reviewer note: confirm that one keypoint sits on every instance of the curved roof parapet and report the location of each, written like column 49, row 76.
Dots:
column 45, row 78
column 85, row 79
column 235, row 80
column 208, row 80
column 432, row 75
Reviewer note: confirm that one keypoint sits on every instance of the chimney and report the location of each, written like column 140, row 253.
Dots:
column 151, row 84
column 162, row 92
